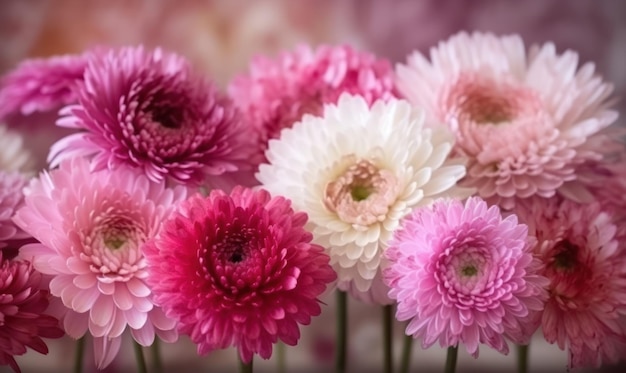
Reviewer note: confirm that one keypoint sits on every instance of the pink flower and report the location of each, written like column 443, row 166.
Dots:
column 92, row 228
column 149, row 110
column 238, row 270
column 23, row 303
column 585, row 261
column 462, row 273
column 11, row 198
column 524, row 121
column 277, row 93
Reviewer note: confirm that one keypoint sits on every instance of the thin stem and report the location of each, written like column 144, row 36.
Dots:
column 342, row 332
column 245, row 367
column 141, row 362
column 388, row 338
column 280, row 356
column 157, row 361
column 79, row 354
column 522, row 358
column 451, row 359
column 407, row 348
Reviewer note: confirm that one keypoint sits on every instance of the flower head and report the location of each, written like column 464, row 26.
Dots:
column 365, row 169
column 462, row 273
column 11, row 198
column 523, row 121
column 149, row 110
column 238, row 270
column 275, row 94
column 92, row 229
column 23, row 303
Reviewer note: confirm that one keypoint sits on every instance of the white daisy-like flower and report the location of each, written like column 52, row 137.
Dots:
column 13, row 155
column 525, row 121
column 356, row 171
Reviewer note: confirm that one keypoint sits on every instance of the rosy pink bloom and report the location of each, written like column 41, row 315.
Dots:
column 92, row 228
column 583, row 256
column 23, row 303
column 238, row 270
column 276, row 93
column 462, row 273
column 11, row 198
column 149, row 110
column 524, row 120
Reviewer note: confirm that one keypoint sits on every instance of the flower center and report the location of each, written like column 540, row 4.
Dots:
column 168, row 117
column 463, row 268
column 469, row 271
column 362, row 194
column 566, row 258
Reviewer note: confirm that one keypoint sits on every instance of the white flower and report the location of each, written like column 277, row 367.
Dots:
column 13, row 156
column 356, row 171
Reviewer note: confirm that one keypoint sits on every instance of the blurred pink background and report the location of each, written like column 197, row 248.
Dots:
column 221, row 36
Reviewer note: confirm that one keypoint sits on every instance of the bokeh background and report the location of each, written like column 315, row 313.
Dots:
column 220, row 37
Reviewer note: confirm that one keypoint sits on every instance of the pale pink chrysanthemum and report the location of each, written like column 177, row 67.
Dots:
column 463, row 274
column 584, row 258
column 276, row 93
column 150, row 110
column 13, row 155
column 11, row 199
column 238, row 270
column 92, row 228
column 524, row 120
column 41, row 84
column 23, row 306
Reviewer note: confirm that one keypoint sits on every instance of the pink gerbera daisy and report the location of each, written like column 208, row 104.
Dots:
column 462, row 273
column 276, row 93
column 149, row 110
column 23, row 303
column 92, row 228
column 523, row 121
column 238, row 270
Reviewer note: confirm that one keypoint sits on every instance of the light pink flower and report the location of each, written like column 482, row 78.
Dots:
column 276, row 93
column 523, row 120
column 149, row 110
column 23, row 303
column 238, row 270
column 463, row 274
column 585, row 261
column 92, row 228
column 11, row 198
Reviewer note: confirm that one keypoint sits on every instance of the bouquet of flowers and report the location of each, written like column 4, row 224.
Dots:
column 477, row 194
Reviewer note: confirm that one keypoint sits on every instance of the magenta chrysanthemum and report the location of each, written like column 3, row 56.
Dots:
column 462, row 273
column 149, row 110
column 41, row 84
column 92, row 228
column 238, row 270
column 277, row 93
column 524, row 121
column 23, row 303
column 11, row 198
column 584, row 258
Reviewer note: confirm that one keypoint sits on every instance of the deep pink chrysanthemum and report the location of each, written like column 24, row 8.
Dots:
column 11, row 198
column 92, row 228
column 584, row 259
column 238, row 270
column 277, row 93
column 462, row 273
column 41, row 84
column 23, row 303
column 149, row 110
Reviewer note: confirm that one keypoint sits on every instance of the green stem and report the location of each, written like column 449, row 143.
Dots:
column 388, row 338
column 407, row 348
column 141, row 362
column 522, row 358
column 342, row 332
column 157, row 361
column 245, row 367
column 280, row 356
column 451, row 359
column 79, row 354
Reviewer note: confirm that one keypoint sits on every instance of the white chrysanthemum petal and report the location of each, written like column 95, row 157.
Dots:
column 13, row 156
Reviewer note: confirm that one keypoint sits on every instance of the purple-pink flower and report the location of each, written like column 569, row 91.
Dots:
column 92, row 228
column 149, row 110
column 23, row 306
column 463, row 274
column 238, row 270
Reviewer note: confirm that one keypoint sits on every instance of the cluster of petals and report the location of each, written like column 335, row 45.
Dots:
column 276, row 93
column 148, row 109
column 583, row 256
column 461, row 273
column 11, row 199
column 239, row 270
column 91, row 229
column 366, row 168
column 524, row 119
column 23, row 306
